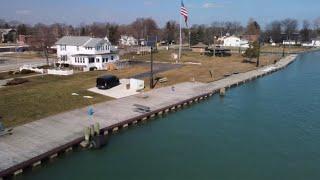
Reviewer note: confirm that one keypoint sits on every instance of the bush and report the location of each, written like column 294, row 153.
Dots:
column 26, row 71
column 17, row 81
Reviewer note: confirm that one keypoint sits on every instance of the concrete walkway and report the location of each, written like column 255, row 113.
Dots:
column 35, row 138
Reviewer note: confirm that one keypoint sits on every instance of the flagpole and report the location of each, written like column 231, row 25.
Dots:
column 180, row 47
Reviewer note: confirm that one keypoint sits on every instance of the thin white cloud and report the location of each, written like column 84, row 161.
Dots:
column 210, row 5
column 23, row 12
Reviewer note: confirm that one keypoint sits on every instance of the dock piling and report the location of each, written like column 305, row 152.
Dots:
column 222, row 91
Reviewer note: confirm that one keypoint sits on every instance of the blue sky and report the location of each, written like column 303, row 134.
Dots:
column 125, row 11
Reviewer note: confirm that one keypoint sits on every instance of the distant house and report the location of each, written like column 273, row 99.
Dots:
column 25, row 39
column 291, row 42
column 8, row 35
column 200, row 47
column 234, row 41
column 142, row 42
column 314, row 43
column 128, row 41
column 86, row 52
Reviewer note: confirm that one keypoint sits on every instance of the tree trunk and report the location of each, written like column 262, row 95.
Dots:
column 45, row 51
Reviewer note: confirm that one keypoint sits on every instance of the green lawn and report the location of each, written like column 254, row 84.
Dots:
column 49, row 95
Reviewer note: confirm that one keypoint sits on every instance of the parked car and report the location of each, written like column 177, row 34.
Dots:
column 107, row 82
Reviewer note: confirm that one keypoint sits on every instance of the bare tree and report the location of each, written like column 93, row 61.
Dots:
column 43, row 39
column 253, row 28
column 305, row 32
column 273, row 31
column 144, row 27
column 290, row 27
column 316, row 25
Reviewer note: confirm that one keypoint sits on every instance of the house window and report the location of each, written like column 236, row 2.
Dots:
column 63, row 58
column 97, row 60
column 111, row 57
column 63, row 47
column 91, row 60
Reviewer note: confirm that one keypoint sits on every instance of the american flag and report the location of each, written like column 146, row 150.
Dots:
column 184, row 12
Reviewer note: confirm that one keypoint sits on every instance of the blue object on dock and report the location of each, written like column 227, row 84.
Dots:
column 90, row 112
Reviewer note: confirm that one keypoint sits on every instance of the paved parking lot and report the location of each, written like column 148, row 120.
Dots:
column 117, row 92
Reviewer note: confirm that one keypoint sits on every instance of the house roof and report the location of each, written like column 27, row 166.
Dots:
column 199, row 45
column 80, row 41
column 93, row 42
column 73, row 40
column 6, row 31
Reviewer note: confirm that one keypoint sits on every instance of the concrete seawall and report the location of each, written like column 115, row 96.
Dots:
column 36, row 142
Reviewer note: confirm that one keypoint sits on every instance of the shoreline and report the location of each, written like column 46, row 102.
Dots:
column 49, row 137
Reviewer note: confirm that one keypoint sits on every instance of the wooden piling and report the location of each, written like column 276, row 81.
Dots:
column 20, row 171
column 222, row 91
column 38, row 163
column 97, row 128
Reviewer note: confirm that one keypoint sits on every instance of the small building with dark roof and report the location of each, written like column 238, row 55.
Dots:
column 200, row 47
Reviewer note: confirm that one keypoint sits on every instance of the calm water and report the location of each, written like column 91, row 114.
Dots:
column 267, row 129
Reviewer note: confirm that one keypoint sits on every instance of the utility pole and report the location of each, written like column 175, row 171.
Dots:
column 180, row 44
column 151, row 69
column 258, row 59
column 214, row 46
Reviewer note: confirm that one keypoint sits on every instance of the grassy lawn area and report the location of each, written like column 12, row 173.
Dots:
column 219, row 66
column 187, row 56
column 49, row 95
column 292, row 49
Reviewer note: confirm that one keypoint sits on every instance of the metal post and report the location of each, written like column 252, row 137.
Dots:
column 151, row 69
column 258, row 59
column 189, row 39
column 214, row 46
column 180, row 46
column 259, row 48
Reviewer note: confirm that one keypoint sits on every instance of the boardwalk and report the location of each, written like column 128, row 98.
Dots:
column 36, row 138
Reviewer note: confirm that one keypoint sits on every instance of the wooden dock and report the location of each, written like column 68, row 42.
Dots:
column 36, row 142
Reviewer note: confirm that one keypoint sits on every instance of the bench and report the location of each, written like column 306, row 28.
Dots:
column 141, row 109
column 163, row 80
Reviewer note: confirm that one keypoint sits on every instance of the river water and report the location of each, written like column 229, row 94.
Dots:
column 265, row 129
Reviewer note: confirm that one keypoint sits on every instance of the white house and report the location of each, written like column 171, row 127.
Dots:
column 233, row 41
column 86, row 52
column 128, row 41
column 313, row 43
column 290, row 42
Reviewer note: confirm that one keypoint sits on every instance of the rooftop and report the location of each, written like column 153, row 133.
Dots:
column 86, row 41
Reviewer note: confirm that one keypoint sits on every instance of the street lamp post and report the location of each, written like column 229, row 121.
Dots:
column 284, row 36
column 258, row 58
